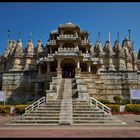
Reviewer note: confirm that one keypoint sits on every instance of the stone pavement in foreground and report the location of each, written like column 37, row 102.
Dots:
column 131, row 130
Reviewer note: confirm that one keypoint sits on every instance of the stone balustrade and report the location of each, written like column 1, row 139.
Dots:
column 67, row 36
column 50, row 57
column 84, row 42
column 68, row 50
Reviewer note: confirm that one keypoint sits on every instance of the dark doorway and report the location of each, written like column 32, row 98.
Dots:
column 68, row 71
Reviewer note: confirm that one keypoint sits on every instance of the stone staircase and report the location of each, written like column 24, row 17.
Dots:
column 66, row 110
column 85, row 114
column 46, row 114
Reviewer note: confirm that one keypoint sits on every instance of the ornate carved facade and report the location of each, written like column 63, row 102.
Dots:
column 109, row 70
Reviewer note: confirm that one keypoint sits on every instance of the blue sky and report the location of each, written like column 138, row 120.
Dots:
column 43, row 17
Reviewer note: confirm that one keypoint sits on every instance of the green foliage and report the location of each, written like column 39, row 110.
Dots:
column 20, row 109
column 117, row 99
column 30, row 101
column 124, row 102
column 1, row 102
column 134, row 108
column 13, row 102
column 114, row 108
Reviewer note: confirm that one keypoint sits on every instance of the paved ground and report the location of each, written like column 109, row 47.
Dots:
column 131, row 130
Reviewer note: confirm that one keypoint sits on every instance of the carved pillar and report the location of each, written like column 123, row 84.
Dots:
column 89, row 68
column 48, row 67
column 50, row 50
column 78, row 70
column 39, row 69
column 78, row 64
column 58, row 64
column 59, row 69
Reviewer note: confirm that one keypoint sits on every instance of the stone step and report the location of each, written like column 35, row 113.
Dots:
column 93, row 118
column 97, row 121
column 100, row 124
column 45, row 111
column 49, row 106
column 87, row 108
column 86, row 112
column 43, row 115
column 39, row 109
column 52, row 101
column 90, row 115
column 38, row 118
column 35, row 121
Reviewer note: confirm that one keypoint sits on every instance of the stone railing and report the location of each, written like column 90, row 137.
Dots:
column 87, row 56
column 50, row 57
column 53, row 92
column 68, row 50
column 84, row 42
column 98, row 104
column 67, row 36
column 35, row 105
column 51, row 42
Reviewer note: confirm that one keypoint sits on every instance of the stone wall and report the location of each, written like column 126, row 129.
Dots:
column 19, row 85
column 110, row 84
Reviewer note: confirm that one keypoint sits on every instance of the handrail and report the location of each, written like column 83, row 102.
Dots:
column 35, row 104
column 100, row 105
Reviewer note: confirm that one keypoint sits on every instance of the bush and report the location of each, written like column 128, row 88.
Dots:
column 104, row 101
column 134, row 108
column 20, row 109
column 1, row 102
column 4, row 109
column 114, row 108
column 124, row 101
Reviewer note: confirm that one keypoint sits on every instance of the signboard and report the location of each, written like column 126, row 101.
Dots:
column 2, row 96
column 135, row 94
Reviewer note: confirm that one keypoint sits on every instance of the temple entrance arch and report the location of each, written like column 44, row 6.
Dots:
column 68, row 68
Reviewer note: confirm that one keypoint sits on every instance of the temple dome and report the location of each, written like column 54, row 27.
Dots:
column 68, row 24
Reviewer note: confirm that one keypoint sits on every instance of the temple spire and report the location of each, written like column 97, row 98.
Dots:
column 39, row 35
column 118, row 37
column 19, row 36
column 8, row 34
column 30, row 35
column 98, row 37
column 89, row 36
column 132, row 45
column 129, row 34
column 109, row 37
